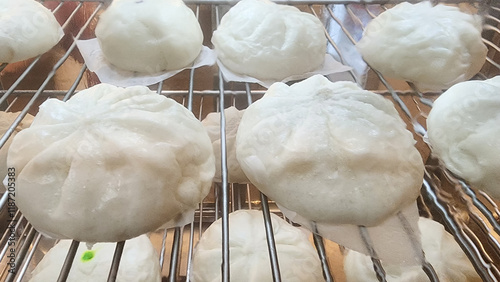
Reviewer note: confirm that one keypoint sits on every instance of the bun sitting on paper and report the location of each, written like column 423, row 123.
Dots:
column 149, row 36
column 268, row 41
column 431, row 46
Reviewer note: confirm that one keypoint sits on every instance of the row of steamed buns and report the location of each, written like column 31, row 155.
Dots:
column 113, row 163
column 260, row 39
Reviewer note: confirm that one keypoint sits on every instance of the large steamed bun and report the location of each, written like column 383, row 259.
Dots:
column 149, row 36
column 6, row 120
column 331, row 152
column 248, row 251
column 464, row 132
column 212, row 124
column 434, row 47
column 139, row 262
column 27, row 29
column 268, row 41
column 110, row 164
column 441, row 251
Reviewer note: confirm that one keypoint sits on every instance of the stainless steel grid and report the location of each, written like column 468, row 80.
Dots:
column 472, row 217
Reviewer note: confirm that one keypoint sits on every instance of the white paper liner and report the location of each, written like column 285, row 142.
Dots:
column 94, row 59
column 181, row 220
column 394, row 241
column 329, row 66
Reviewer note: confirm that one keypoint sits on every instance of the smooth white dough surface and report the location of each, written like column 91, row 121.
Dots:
column 212, row 124
column 331, row 152
column 27, row 29
column 441, row 251
column 268, row 41
column 110, row 164
column 139, row 262
column 463, row 129
column 149, row 36
column 249, row 255
column 6, row 120
column 434, row 47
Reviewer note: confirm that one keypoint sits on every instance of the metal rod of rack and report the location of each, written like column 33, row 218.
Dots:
column 320, row 247
column 271, row 245
column 377, row 265
column 68, row 262
column 115, row 263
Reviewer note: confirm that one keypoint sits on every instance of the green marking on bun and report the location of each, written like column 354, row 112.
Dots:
column 88, row 256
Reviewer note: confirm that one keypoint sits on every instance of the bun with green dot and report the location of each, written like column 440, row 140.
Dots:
column 110, row 164
column 139, row 262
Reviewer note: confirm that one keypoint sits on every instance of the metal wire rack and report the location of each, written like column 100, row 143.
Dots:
column 472, row 217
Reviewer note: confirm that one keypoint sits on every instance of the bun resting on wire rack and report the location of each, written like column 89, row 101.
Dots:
column 431, row 46
column 464, row 132
column 6, row 120
column 110, row 164
column 268, row 41
column 149, row 36
column 138, row 263
column 27, row 29
column 248, row 251
column 212, row 124
column 441, row 251
column 330, row 152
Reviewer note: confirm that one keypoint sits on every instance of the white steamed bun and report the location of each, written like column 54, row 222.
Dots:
column 434, row 47
column 331, row 152
column 248, row 251
column 212, row 124
column 268, row 41
column 441, row 251
column 149, row 36
column 139, row 262
column 27, row 29
column 110, row 164
column 464, row 132
column 6, row 120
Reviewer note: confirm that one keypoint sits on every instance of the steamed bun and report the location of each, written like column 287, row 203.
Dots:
column 331, row 152
column 27, row 29
column 268, row 41
column 149, row 36
column 139, row 262
column 434, row 47
column 441, row 251
column 212, row 124
column 249, row 255
column 110, row 164
column 464, row 132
